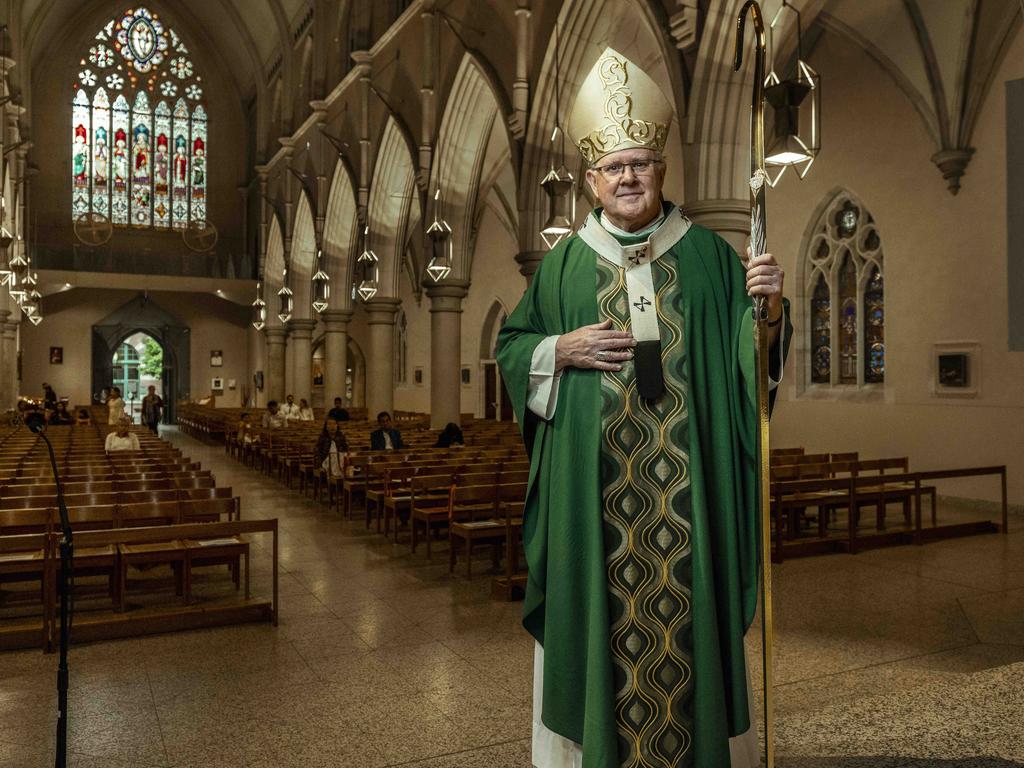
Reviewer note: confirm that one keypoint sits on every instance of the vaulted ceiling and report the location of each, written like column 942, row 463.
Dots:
column 248, row 35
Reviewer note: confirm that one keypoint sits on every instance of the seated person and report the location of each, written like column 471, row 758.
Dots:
column 331, row 448
column 83, row 418
column 62, row 415
column 49, row 397
column 244, row 431
column 451, row 435
column 272, row 417
column 122, row 439
column 384, row 438
column 290, row 409
column 305, row 412
column 338, row 413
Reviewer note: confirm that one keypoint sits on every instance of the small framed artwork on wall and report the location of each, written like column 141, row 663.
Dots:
column 56, row 355
column 466, row 377
column 216, row 384
column 957, row 369
column 216, row 358
column 417, row 377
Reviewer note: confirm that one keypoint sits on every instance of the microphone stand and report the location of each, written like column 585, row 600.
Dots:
column 38, row 426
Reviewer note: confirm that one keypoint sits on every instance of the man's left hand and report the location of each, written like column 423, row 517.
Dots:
column 765, row 278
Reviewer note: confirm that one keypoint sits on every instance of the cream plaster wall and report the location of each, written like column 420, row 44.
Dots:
column 945, row 277
column 213, row 323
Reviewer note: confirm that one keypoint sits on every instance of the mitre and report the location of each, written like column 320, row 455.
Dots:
column 618, row 107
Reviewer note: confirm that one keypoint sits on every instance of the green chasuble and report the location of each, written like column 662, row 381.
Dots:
column 640, row 528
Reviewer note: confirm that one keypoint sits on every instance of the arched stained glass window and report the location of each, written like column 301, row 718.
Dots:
column 846, row 300
column 139, row 128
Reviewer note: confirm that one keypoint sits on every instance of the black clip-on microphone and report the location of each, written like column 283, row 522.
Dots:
column 36, row 422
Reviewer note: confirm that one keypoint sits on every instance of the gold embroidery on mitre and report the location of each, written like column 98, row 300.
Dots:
column 610, row 82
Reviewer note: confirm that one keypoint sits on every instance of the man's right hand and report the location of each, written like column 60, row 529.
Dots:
column 594, row 346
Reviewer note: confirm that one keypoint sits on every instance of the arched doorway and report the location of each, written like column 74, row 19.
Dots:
column 138, row 364
column 495, row 402
column 143, row 317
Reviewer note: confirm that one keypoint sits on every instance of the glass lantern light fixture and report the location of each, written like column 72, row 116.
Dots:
column 440, row 234
column 259, row 309
column 560, row 187
column 286, row 300
column 793, row 136
column 369, row 266
column 321, row 285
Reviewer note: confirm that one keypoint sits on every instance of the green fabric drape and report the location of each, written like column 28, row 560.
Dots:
column 566, row 606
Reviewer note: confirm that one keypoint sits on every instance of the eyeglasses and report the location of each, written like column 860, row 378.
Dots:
column 639, row 167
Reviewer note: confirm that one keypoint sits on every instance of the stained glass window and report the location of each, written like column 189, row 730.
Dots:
column 846, row 300
column 821, row 333
column 874, row 328
column 141, row 165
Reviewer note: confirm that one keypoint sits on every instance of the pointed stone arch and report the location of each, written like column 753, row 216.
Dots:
column 303, row 255
column 493, row 320
column 473, row 119
column 341, row 235
column 393, row 202
column 273, row 270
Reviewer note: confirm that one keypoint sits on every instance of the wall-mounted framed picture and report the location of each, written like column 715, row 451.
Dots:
column 56, row 355
column 467, row 377
column 216, row 358
column 417, row 377
column 956, row 369
column 217, row 383
column 257, row 380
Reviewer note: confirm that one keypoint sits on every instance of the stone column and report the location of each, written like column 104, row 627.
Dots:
column 302, row 357
column 446, row 351
column 274, row 383
column 380, row 360
column 9, row 386
column 528, row 262
column 289, row 365
column 730, row 219
column 257, row 362
column 335, row 354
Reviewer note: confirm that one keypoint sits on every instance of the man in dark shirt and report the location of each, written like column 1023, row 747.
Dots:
column 337, row 412
column 385, row 438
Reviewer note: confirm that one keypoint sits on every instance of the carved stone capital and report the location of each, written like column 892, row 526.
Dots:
column 529, row 261
column 953, row 164
column 382, row 311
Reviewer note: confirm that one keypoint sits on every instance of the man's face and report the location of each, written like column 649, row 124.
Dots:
column 629, row 199
column 152, row 390
column 337, row 402
column 385, row 422
column 290, row 399
column 272, row 409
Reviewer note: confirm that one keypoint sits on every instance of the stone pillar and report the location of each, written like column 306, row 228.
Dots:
column 9, row 384
column 274, row 383
column 528, row 262
column 289, row 365
column 730, row 219
column 335, row 354
column 380, row 360
column 257, row 362
column 301, row 344
column 446, row 351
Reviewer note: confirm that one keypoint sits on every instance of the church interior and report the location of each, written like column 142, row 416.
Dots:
column 271, row 216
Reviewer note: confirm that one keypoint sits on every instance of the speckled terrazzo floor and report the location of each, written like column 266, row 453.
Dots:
column 897, row 658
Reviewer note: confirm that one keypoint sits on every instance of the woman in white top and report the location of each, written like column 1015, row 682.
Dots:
column 122, row 439
column 305, row 412
column 115, row 407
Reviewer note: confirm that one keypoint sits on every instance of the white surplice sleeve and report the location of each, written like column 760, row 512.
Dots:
column 542, row 392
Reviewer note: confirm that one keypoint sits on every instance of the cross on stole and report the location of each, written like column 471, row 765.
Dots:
column 637, row 256
column 642, row 304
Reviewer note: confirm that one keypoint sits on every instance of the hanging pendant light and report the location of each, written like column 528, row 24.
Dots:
column 441, row 246
column 6, row 238
column 259, row 309
column 369, row 265
column 793, row 130
column 286, row 300
column 559, row 185
column 321, row 286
